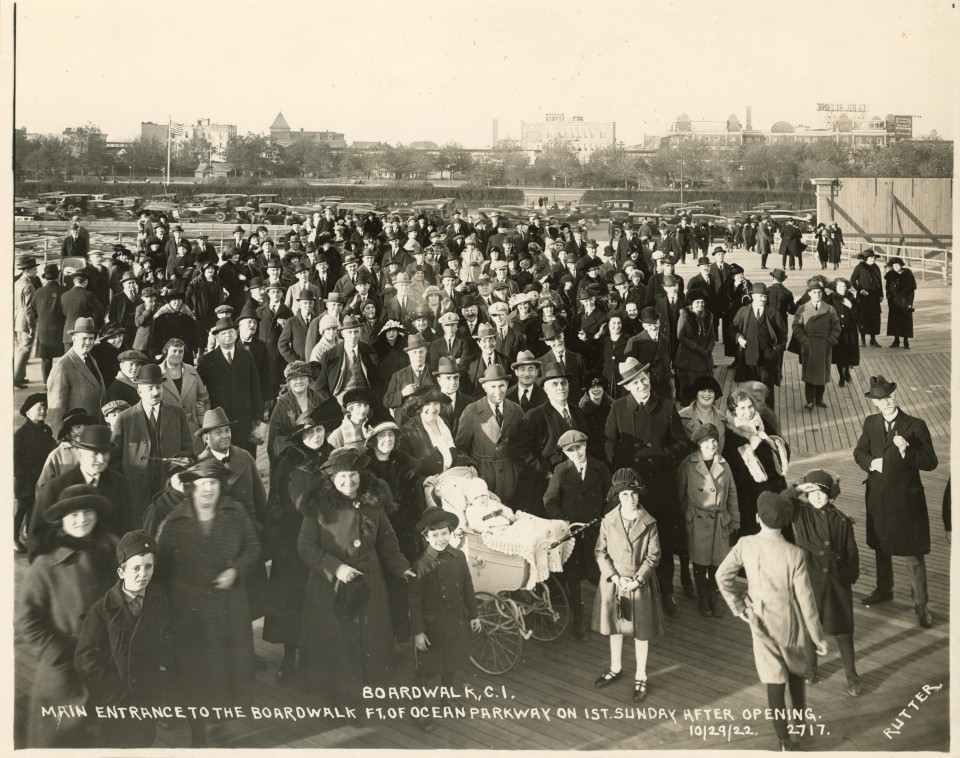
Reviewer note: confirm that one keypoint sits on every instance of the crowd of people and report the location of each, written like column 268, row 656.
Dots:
column 365, row 355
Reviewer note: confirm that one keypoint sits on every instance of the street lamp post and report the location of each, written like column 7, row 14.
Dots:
column 681, row 169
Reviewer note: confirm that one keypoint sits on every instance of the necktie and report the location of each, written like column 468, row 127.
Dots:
column 499, row 415
column 229, row 356
column 358, row 374
column 560, row 358
column 525, row 399
column 816, row 307
column 583, row 473
column 95, row 481
column 566, row 415
column 449, row 347
column 88, row 361
column 759, row 314
column 136, row 605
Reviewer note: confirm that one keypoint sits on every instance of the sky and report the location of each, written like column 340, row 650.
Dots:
column 440, row 71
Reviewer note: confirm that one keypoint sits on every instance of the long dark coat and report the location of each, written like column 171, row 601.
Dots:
column 441, row 604
column 762, row 358
column 868, row 283
column 596, row 416
column 570, row 498
column 270, row 331
column 417, row 444
column 119, row 655
column 748, row 489
column 50, row 319
column 900, row 292
column 629, row 549
column 79, row 302
column 847, row 350
column 817, row 332
column 214, row 639
column 651, row 439
column 32, row 444
column 295, row 473
column 833, row 563
column 695, row 341
column 57, row 591
column 897, row 520
column 541, row 429
column 339, row 655
column 235, row 387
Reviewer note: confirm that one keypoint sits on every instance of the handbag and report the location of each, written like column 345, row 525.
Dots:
column 624, row 607
column 350, row 597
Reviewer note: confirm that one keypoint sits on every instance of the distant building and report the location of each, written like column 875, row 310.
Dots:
column 361, row 145
column 283, row 135
column 583, row 136
column 218, row 135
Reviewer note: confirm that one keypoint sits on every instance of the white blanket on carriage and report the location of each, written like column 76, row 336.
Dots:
column 460, row 491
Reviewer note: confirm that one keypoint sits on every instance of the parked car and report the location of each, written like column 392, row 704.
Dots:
column 106, row 209
column 709, row 206
column 718, row 224
column 132, row 202
column 31, row 210
column 172, row 210
column 72, row 204
column 776, row 205
column 617, row 210
column 669, row 209
column 218, row 209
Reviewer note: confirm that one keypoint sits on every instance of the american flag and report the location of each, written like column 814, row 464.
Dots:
column 176, row 130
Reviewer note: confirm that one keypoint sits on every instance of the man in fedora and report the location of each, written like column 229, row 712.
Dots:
column 79, row 302
column 651, row 348
column 510, row 341
column 94, row 451
column 893, row 449
column 24, row 319
column 75, row 381
column 554, row 338
column 233, row 382
column 416, row 373
column 244, row 485
column 50, row 319
column 293, row 338
column 451, row 344
column 447, row 376
column 816, row 328
column 779, row 298
column 644, row 432
column 487, row 434
column 542, row 426
column 247, row 324
column 761, row 336
column 123, row 307
column 351, row 364
column 145, row 433
column 791, row 245
column 488, row 356
column 527, row 392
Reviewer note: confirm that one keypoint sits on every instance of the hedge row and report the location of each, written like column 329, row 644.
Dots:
column 296, row 192
column 730, row 200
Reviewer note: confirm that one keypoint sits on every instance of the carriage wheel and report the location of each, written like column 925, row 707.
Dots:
column 496, row 649
column 549, row 616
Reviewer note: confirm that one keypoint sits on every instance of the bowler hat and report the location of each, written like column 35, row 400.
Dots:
column 447, row 367
column 51, row 271
column 880, row 388
column 496, row 373
column 649, row 315
column 135, row 543
column 150, row 374
column 83, row 326
column 779, row 274
column 630, row 369
column 775, row 511
column 345, row 459
column 437, row 518
column 247, row 313
column 308, row 295
column 78, row 497
column 704, row 431
column 222, row 325
column 719, row 249
column 32, row 400
column 571, row 437
column 758, row 288
column 96, row 438
column 703, row 261
column 554, row 371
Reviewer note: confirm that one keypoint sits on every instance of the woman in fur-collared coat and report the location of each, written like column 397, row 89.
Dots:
column 346, row 540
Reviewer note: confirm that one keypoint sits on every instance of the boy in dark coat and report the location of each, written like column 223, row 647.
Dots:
column 576, row 493
column 441, row 600
column 32, row 443
column 126, row 645
column 833, row 561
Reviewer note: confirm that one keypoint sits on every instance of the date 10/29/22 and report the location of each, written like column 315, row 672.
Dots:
column 729, row 731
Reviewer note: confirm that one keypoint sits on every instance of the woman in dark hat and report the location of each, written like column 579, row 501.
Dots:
column 399, row 470
column 867, row 282
column 846, row 352
column 703, row 410
column 628, row 596
column 426, row 436
column 203, row 295
column 171, row 320
column 300, row 398
column 164, row 502
column 297, row 470
column 346, row 540
column 352, row 432
column 737, row 295
column 76, row 568
column 595, row 403
column 696, row 338
column 901, row 287
column 64, row 456
column 206, row 547
column 390, row 344
column 32, row 443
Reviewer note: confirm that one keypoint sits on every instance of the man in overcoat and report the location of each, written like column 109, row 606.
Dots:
column 351, row 364
column 488, row 431
column 577, row 493
column 791, row 245
column 761, row 334
column 233, row 382
column 644, row 432
column 294, row 335
column 79, row 302
column 447, row 378
column 893, row 449
column 50, row 319
column 817, row 329
column 75, row 381
column 145, row 433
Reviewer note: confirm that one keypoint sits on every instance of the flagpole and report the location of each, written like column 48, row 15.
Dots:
column 169, row 138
